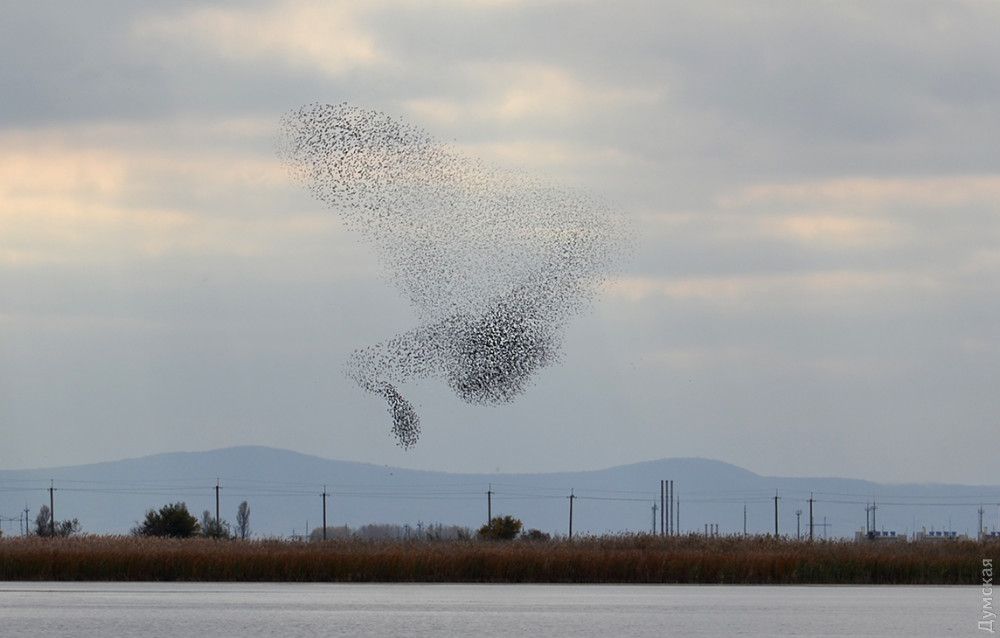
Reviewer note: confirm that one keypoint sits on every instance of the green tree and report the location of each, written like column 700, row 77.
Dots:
column 172, row 520
column 501, row 528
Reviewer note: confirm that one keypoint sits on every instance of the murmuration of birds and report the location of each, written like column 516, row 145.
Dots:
column 495, row 262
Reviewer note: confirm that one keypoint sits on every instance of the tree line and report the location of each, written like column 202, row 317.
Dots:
column 173, row 520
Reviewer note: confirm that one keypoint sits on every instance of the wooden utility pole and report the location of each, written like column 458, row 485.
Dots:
column 663, row 508
column 218, row 521
column 810, row 516
column 775, row 513
column 26, row 513
column 52, row 508
column 571, row 498
column 744, row 519
column 324, row 512
column 798, row 525
column 489, row 504
column 654, row 519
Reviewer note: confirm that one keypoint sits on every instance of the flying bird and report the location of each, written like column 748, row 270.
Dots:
column 494, row 262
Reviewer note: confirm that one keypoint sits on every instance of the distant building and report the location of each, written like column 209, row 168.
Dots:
column 861, row 536
column 939, row 535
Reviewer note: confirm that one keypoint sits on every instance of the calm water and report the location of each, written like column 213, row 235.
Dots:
column 286, row 610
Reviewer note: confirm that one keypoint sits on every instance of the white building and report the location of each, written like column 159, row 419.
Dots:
column 939, row 535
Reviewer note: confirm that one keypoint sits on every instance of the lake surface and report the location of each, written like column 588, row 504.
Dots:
column 152, row 610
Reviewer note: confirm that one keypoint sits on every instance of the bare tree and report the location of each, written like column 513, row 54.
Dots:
column 213, row 528
column 43, row 526
column 46, row 527
column 243, row 520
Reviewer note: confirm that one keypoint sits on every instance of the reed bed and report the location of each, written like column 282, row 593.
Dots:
column 617, row 559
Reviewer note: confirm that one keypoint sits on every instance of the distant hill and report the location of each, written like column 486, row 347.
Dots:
column 284, row 488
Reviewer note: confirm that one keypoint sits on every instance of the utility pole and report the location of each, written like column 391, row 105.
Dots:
column 677, row 518
column 810, row 516
column 324, row 512
column 874, row 507
column 775, row 513
column 654, row 519
column 670, row 509
column 824, row 525
column 489, row 503
column 673, row 517
column 26, row 512
column 744, row 519
column 798, row 526
column 979, row 534
column 868, row 518
column 670, row 491
column 571, row 498
column 663, row 508
column 52, row 508
column 217, row 487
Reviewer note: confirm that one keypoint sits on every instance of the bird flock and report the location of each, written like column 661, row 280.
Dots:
column 494, row 262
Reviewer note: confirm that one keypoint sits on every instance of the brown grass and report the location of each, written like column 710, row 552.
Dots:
column 618, row 559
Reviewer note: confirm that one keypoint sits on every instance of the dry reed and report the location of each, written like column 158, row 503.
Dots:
column 616, row 559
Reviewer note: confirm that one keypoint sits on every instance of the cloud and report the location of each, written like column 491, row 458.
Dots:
column 835, row 230
column 837, row 287
column 829, row 229
column 313, row 35
column 532, row 92
column 815, row 188
column 875, row 194
column 710, row 358
column 69, row 197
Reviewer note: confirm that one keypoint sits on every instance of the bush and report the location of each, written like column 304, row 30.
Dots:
column 535, row 535
column 501, row 528
column 172, row 520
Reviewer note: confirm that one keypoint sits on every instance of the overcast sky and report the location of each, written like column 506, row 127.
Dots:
column 815, row 186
